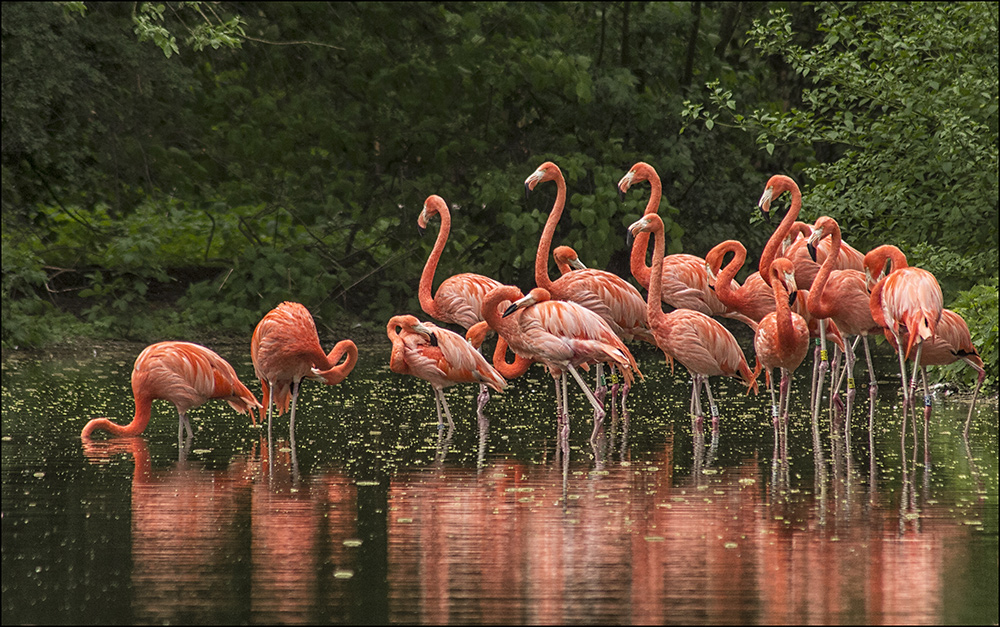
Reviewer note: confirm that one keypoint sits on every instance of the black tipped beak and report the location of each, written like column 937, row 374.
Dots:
column 629, row 238
column 509, row 310
column 812, row 251
column 434, row 339
column 420, row 230
column 766, row 214
column 621, row 193
column 791, row 298
column 527, row 191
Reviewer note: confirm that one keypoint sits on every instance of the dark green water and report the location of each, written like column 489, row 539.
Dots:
column 375, row 517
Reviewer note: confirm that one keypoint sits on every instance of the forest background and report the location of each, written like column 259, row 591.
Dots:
column 175, row 170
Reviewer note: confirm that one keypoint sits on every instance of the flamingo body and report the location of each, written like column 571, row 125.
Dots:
column 183, row 373
column 285, row 349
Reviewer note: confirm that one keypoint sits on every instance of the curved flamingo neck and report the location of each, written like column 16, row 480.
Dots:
column 819, row 305
column 427, row 276
column 637, row 261
column 335, row 369
column 493, row 317
column 545, row 243
column 509, row 370
column 143, row 410
column 724, row 280
column 777, row 238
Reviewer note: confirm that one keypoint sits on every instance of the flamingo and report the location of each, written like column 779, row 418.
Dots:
column 699, row 342
column 566, row 259
column 805, row 268
column 781, row 341
column 183, row 373
column 685, row 281
column 476, row 335
column 905, row 297
column 841, row 295
column 952, row 343
column 611, row 297
column 439, row 356
column 755, row 298
column 459, row 298
column 285, row 349
column 562, row 335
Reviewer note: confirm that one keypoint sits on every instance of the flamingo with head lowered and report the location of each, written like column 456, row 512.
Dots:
column 905, row 297
column 187, row 375
column 285, row 349
column 441, row 357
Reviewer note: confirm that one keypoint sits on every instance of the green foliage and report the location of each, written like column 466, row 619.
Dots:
column 188, row 186
column 903, row 98
column 980, row 308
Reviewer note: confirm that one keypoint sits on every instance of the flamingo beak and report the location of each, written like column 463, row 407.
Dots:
column 624, row 184
column 812, row 250
column 422, row 222
column 510, row 310
column 765, row 202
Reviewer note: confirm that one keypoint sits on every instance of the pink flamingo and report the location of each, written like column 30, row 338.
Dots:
column 781, row 341
column 562, row 335
column 611, row 297
column 459, row 298
column 183, row 373
column 755, row 298
column 566, row 259
column 441, row 357
column 700, row 343
column 285, row 349
column 685, row 281
column 904, row 297
column 841, row 296
column 952, row 343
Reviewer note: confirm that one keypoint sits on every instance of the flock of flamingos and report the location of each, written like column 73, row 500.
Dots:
column 811, row 284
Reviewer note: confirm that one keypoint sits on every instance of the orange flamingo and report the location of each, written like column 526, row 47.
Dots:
column 441, row 357
column 476, row 335
column 754, row 298
column 285, row 349
column 904, row 297
column 562, row 335
column 699, row 342
column 183, row 373
column 952, row 343
column 566, row 259
column 459, row 298
column 841, row 296
column 781, row 341
column 684, row 279
column 611, row 297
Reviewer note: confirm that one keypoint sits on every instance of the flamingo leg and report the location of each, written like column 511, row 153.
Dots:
column 481, row 400
column 296, row 386
column 979, row 383
column 182, row 424
column 598, row 408
column 713, row 409
column 902, row 368
column 824, row 366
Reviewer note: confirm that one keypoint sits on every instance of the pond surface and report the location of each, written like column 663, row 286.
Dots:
column 374, row 516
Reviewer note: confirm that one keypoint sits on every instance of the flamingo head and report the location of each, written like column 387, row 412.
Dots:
column 824, row 226
column 537, row 295
column 568, row 256
column 649, row 223
column 776, row 186
column 783, row 270
column 548, row 171
column 432, row 207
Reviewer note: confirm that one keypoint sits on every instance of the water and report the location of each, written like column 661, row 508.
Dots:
column 377, row 517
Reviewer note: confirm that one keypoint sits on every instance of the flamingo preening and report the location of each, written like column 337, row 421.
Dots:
column 285, row 349
column 439, row 356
